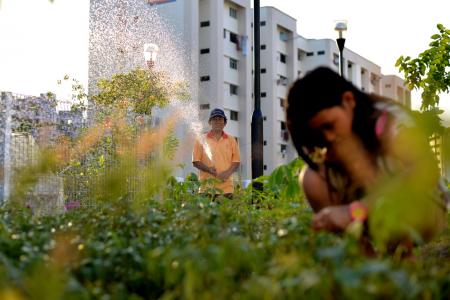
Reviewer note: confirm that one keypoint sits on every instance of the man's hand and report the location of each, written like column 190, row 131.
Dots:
column 224, row 175
column 332, row 218
column 212, row 171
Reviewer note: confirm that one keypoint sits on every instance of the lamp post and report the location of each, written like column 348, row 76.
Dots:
column 150, row 54
column 340, row 27
column 257, row 118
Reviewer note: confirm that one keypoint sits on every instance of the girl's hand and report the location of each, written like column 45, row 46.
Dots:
column 332, row 218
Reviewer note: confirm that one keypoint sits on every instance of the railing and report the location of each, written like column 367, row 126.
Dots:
column 28, row 125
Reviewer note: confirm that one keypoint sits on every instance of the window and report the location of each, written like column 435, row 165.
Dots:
column 233, row 89
column 263, row 71
column 265, row 167
column 283, row 148
column 263, row 47
column 263, row 94
column 204, row 78
column 224, row 33
column 233, row 115
column 204, row 106
column 282, row 80
column 265, row 143
column 309, row 53
column 282, row 102
column 265, row 118
column 388, row 86
column 233, row 12
column 284, row 36
column 204, row 51
column 233, row 63
column 263, row 23
column 282, row 125
column 283, row 58
column 233, row 37
column 204, row 24
column 320, row 52
column 336, row 59
column 301, row 54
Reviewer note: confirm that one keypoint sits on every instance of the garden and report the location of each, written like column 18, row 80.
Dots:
column 181, row 245
column 130, row 230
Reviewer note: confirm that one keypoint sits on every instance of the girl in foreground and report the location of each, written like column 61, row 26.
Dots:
column 366, row 161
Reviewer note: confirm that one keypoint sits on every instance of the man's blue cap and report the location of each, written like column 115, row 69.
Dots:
column 217, row 112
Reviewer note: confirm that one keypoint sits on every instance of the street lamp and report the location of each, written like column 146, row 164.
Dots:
column 150, row 54
column 340, row 27
column 257, row 118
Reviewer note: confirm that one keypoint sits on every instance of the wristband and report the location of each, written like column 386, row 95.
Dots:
column 358, row 212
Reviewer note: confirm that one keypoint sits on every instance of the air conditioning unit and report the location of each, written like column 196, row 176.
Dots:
column 284, row 135
column 282, row 81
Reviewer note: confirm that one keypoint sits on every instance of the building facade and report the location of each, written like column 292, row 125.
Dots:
column 215, row 39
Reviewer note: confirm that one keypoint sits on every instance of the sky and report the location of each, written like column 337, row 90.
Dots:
column 40, row 41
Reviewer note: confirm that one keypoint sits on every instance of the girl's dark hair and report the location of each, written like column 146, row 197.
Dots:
column 320, row 89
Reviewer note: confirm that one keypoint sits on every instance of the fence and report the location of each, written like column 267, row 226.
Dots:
column 29, row 125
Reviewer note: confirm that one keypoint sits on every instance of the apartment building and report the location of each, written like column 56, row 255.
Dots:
column 279, row 67
column 216, row 41
column 394, row 87
column 287, row 56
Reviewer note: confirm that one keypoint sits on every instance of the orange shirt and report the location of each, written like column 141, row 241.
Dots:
column 223, row 152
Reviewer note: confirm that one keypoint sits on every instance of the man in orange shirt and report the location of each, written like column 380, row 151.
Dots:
column 216, row 154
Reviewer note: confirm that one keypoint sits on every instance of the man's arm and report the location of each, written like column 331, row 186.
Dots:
column 201, row 166
column 227, row 173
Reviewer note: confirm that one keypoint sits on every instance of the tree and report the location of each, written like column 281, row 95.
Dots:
column 430, row 71
column 139, row 89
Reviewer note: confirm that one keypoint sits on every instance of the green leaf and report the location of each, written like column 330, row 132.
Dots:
column 435, row 36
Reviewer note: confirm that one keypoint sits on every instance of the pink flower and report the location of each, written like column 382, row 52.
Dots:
column 72, row 204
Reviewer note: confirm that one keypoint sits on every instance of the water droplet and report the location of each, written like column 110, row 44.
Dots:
column 282, row 232
column 175, row 264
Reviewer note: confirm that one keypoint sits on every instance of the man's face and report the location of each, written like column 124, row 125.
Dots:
column 217, row 123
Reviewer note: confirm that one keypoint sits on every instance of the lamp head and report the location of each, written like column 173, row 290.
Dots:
column 340, row 27
column 150, row 53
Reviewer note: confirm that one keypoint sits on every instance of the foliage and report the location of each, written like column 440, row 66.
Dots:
column 283, row 183
column 430, row 70
column 170, row 242
column 140, row 89
column 186, row 246
column 429, row 121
